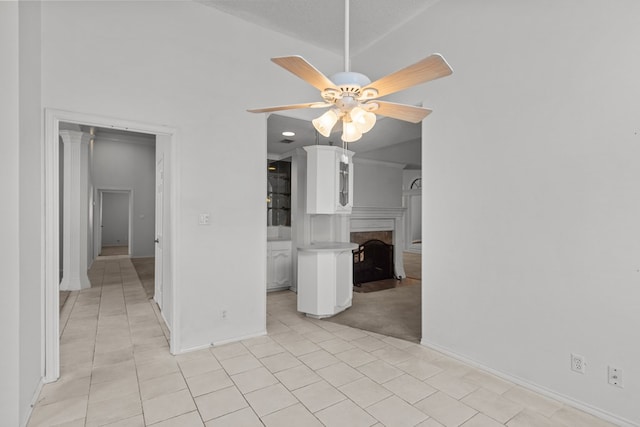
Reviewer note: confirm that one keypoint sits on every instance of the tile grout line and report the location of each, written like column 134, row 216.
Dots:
column 95, row 343
column 133, row 355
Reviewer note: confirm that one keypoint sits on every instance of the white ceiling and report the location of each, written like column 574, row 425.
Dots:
column 321, row 23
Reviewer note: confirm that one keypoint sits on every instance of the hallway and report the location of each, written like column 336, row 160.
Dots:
column 117, row 370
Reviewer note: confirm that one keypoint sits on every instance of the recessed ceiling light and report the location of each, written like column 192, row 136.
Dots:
column 288, row 133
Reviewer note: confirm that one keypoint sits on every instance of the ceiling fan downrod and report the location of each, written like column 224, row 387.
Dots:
column 347, row 66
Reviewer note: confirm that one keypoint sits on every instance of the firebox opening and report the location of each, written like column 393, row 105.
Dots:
column 372, row 261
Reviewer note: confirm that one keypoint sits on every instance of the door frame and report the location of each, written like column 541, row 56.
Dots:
column 158, row 294
column 51, row 233
column 98, row 218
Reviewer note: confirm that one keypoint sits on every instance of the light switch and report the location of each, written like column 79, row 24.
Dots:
column 203, row 219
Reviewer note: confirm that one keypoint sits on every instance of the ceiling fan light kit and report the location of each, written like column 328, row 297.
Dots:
column 350, row 95
column 350, row 131
column 325, row 123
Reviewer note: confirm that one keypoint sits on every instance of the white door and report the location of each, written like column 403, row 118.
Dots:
column 159, row 231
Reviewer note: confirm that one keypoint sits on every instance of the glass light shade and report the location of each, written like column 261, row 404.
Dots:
column 325, row 123
column 365, row 120
column 350, row 132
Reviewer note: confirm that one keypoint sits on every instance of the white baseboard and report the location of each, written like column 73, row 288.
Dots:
column 222, row 342
column 534, row 387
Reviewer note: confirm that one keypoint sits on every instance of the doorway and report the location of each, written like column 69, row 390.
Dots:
column 114, row 219
column 165, row 147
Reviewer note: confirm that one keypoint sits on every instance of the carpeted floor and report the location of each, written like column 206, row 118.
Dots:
column 389, row 307
column 394, row 312
column 145, row 267
column 412, row 265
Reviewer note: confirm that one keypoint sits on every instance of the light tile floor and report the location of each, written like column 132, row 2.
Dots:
column 116, row 370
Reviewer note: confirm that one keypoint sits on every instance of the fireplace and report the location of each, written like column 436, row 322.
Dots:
column 380, row 223
column 373, row 260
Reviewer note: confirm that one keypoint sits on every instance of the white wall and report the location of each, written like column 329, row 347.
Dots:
column 376, row 183
column 20, row 215
column 405, row 152
column 124, row 165
column 115, row 219
column 9, row 213
column 531, row 188
column 197, row 70
column 31, row 241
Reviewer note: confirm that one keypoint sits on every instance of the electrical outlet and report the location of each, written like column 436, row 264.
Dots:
column 615, row 376
column 578, row 364
column 224, row 314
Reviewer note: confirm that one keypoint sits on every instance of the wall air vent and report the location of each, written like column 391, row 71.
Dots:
column 286, row 141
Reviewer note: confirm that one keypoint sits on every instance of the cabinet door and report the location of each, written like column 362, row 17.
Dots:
column 329, row 180
column 281, row 262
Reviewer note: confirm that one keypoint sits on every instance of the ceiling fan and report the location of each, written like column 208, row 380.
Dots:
column 353, row 98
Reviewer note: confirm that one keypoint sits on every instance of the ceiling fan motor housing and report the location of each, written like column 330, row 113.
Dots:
column 350, row 84
column 347, row 78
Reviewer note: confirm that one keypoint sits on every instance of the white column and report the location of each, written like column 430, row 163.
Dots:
column 76, row 210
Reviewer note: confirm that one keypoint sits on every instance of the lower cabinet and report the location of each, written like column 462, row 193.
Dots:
column 325, row 278
column 278, row 265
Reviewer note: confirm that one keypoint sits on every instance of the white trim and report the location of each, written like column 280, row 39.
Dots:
column 374, row 212
column 242, row 338
column 219, row 343
column 53, row 117
column 532, row 386
column 412, row 192
column 51, row 240
column 357, row 160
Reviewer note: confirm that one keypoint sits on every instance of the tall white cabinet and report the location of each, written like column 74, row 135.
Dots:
column 325, row 265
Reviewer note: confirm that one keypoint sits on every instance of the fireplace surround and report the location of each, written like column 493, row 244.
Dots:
column 375, row 219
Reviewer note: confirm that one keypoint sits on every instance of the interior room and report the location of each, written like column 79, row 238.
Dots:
column 527, row 244
column 386, row 165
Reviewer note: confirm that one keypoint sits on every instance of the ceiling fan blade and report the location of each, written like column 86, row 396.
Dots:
column 430, row 68
column 405, row 112
column 307, row 72
column 290, row 107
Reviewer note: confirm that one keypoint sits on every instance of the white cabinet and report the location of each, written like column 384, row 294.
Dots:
column 278, row 264
column 325, row 278
column 329, row 180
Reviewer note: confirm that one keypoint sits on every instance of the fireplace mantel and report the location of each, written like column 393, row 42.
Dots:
column 382, row 219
